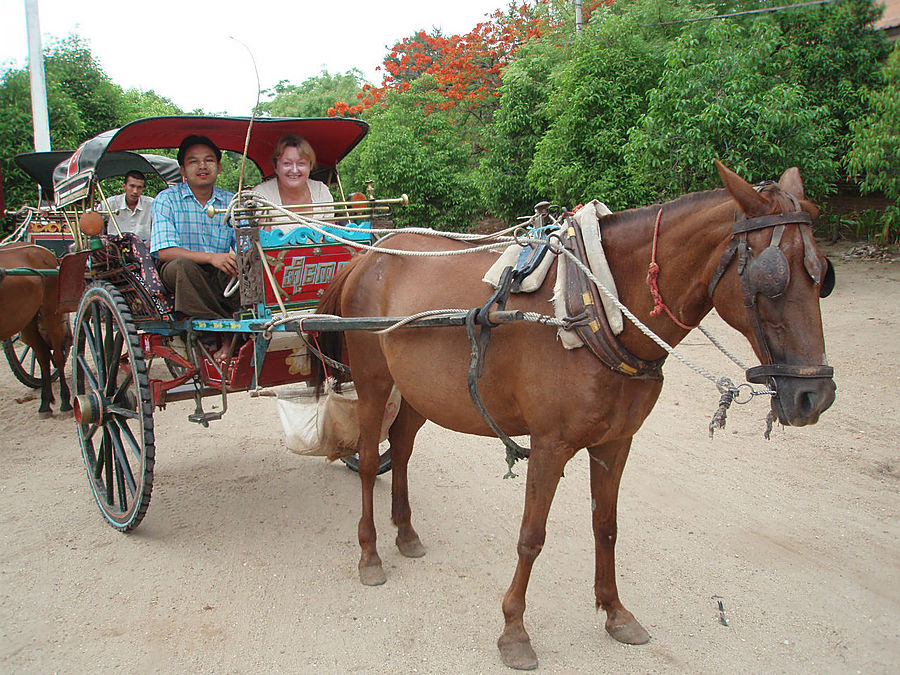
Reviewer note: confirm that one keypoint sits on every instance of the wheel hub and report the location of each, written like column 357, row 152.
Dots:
column 88, row 408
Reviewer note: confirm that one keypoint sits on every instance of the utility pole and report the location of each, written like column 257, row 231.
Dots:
column 39, row 114
column 578, row 18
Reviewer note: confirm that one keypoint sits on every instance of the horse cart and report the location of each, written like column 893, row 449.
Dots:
column 746, row 251
column 56, row 228
column 125, row 326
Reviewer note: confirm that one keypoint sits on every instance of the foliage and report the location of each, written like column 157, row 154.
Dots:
column 409, row 152
column 138, row 104
column 599, row 94
column 312, row 97
column 875, row 152
column 16, row 131
column 834, row 53
column 73, row 67
column 723, row 96
column 517, row 127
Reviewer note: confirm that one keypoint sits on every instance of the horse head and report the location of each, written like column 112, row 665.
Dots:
column 768, row 285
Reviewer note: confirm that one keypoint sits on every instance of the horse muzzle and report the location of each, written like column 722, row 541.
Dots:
column 802, row 393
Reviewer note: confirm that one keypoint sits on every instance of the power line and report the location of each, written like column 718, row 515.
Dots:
column 744, row 13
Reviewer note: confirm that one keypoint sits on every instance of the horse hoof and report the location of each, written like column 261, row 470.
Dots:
column 411, row 548
column 372, row 576
column 631, row 633
column 517, row 654
column 45, row 414
column 65, row 414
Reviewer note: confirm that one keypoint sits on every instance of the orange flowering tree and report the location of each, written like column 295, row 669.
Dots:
column 466, row 69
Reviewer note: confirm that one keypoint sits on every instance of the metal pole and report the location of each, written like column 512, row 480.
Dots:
column 40, row 116
column 578, row 18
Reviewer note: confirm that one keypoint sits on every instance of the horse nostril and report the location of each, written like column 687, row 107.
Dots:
column 807, row 403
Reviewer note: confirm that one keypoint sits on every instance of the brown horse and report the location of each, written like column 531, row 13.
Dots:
column 28, row 306
column 567, row 400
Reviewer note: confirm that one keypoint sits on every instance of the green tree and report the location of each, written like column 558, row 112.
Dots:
column 599, row 94
column 71, row 65
column 875, row 153
column 835, row 54
column 408, row 151
column 518, row 125
column 138, row 104
column 17, row 135
column 313, row 96
column 727, row 94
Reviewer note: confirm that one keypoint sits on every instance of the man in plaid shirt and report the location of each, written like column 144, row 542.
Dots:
column 195, row 252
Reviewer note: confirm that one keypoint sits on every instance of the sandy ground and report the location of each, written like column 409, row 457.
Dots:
column 246, row 561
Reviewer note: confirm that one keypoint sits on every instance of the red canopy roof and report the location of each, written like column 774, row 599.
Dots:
column 331, row 137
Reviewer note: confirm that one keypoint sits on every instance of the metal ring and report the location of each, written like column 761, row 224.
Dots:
column 750, row 394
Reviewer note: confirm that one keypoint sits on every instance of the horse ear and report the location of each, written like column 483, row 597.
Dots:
column 790, row 181
column 750, row 201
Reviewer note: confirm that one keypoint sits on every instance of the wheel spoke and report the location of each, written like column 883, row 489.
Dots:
column 115, row 359
column 123, row 469
column 98, row 353
column 123, row 386
column 136, row 447
column 108, row 466
column 86, row 370
column 91, row 341
column 122, row 412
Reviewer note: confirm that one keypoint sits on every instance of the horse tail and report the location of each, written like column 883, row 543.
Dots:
column 331, row 344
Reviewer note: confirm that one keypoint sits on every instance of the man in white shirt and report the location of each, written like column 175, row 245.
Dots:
column 131, row 209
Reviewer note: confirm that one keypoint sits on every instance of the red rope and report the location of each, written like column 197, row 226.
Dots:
column 653, row 281
column 315, row 337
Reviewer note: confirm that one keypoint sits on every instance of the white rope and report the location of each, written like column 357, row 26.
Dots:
column 558, row 248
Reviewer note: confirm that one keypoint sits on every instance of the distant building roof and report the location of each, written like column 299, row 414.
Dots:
column 890, row 20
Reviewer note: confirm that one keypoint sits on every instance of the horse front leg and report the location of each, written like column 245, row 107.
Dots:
column 607, row 464
column 545, row 468
column 402, row 436
column 372, row 400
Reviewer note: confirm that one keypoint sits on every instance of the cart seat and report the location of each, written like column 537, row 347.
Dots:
column 135, row 250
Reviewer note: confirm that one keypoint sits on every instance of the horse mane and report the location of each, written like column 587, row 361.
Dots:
column 641, row 214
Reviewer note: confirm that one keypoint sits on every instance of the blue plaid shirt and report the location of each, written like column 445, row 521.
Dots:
column 179, row 219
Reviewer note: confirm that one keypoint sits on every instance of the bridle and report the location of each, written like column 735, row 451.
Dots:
column 769, row 274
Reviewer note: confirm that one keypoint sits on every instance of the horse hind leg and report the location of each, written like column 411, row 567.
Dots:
column 402, row 435
column 31, row 336
column 545, row 468
column 61, row 339
column 372, row 399
column 607, row 464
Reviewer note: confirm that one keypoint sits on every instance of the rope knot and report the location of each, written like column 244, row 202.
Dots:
column 728, row 393
column 653, row 283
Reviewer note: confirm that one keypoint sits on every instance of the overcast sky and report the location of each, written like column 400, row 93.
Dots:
column 182, row 49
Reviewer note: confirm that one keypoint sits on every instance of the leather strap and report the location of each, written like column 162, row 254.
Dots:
column 759, row 374
column 583, row 302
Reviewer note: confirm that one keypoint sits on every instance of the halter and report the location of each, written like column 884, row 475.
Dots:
column 769, row 274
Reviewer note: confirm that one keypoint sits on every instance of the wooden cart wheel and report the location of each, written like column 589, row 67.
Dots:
column 23, row 363
column 384, row 462
column 113, row 409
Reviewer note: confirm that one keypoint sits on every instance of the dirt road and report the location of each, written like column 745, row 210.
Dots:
column 246, row 561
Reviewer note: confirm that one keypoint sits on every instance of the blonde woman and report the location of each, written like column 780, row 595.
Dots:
column 294, row 159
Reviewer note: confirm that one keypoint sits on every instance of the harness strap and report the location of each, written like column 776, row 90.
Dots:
column 583, row 302
column 759, row 374
column 478, row 318
column 762, row 222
